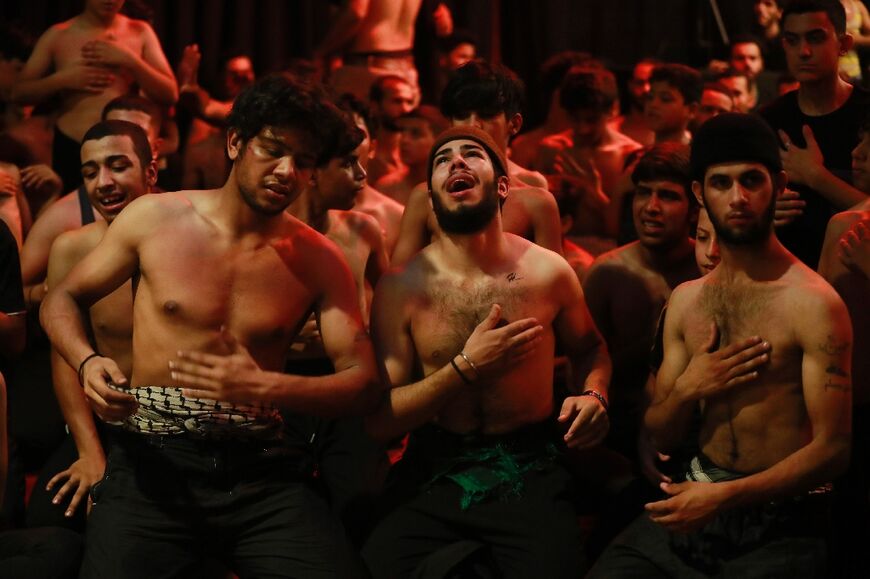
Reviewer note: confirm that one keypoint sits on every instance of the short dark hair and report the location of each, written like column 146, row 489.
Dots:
column 684, row 78
column 353, row 106
column 134, row 102
column 555, row 68
column 378, row 90
column 433, row 117
column 585, row 89
column 284, row 102
column 666, row 162
column 833, row 8
column 482, row 88
column 746, row 39
column 137, row 136
column 344, row 135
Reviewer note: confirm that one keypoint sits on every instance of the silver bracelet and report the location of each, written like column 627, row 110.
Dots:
column 597, row 395
column 470, row 363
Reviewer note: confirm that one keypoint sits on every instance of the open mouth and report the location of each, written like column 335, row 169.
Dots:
column 459, row 182
column 279, row 189
column 113, row 201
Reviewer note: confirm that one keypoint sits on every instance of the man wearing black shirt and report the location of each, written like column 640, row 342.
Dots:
column 824, row 110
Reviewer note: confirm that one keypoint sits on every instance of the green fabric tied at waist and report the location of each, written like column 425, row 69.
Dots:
column 493, row 471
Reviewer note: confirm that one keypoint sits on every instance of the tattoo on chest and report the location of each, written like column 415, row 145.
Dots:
column 512, row 276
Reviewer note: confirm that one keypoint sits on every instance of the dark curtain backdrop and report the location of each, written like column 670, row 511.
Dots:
column 520, row 33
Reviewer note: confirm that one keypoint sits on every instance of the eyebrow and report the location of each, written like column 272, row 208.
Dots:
column 462, row 148
column 110, row 159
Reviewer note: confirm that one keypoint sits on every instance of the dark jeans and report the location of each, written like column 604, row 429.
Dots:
column 532, row 533
column 765, row 541
column 166, row 503
column 45, row 553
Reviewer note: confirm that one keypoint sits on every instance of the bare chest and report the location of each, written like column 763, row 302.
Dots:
column 67, row 50
column 446, row 315
column 260, row 292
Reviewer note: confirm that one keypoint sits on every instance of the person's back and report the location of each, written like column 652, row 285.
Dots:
column 388, row 25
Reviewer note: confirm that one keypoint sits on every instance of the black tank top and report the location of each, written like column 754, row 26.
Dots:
column 86, row 207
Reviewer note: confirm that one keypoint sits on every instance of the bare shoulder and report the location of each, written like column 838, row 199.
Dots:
column 685, row 296
column 539, row 261
column 529, row 178
column 358, row 223
column 808, row 295
column 73, row 245
column 842, row 221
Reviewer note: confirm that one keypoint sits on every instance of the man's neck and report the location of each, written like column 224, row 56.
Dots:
column 236, row 218
column 664, row 259
column 92, row 18
column 308, row 210
column 824, row 96
column 387, row 145
column 474, row 252
column 754, row 262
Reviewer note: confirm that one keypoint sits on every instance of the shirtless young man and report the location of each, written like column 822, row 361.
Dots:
column 627, row 287
column 590, row 156
column 370, row 201
column 488, row 97
column 89, row 60
column 770, row 437
column 375, row 38
column 225, row 280
column 419, row 129
column 117, row 167
column 475, row 416
column 524, row 148
column 75, row 209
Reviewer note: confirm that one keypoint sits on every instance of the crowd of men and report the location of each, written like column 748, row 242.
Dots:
column 334, row 326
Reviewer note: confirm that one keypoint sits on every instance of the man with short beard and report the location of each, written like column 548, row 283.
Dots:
column 755, row 498
column 224, row 281
column 482, row 469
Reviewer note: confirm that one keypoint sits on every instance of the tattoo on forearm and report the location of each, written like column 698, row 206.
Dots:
column 836, row 371
column 833, row 347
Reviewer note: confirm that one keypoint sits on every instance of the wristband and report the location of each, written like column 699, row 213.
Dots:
column 470, row 363
column 82, row 368
column 458, row 371
column 597, row 395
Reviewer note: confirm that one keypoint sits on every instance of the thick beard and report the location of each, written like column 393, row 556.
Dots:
column 756, row 234
column 467, row 219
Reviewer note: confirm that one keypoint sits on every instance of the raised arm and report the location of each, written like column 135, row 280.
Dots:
column 39, row 81
column 408, row 404
column 150, row 69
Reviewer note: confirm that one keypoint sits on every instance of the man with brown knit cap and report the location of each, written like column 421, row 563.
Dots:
column 480, row 479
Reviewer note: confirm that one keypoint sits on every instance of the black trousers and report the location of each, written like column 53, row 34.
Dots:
column 531, row 534
column 771, row 541
column 45, row 553
column 166, row 503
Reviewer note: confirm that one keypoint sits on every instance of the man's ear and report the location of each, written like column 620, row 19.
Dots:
column 780, row 182
column 502, row 186
column 515, row 123
column 697, row 191
column 693, row 109
column 847, row 41
column 235, row 144
column 151, row 174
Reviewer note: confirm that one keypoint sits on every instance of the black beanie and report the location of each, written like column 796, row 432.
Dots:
column 472, row 133
column 734, row 138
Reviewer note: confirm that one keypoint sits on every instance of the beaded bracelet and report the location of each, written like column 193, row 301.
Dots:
column 597, row 395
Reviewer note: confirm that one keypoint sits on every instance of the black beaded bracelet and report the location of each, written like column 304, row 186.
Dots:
column 597, row 395
column 82, row 368
column 458, row 371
